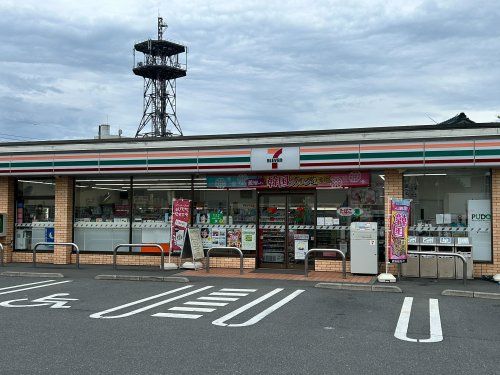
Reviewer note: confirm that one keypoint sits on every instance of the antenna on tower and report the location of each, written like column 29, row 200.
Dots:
column 160, row 68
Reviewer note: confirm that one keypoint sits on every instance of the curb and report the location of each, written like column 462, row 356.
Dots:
column 175, row 279
column 361, row 287
column 470, row 294
column 31, row 274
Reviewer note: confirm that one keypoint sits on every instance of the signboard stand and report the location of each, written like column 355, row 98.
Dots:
column 194, row 245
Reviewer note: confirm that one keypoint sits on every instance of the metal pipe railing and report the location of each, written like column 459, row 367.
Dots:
column 436, row 253
column 162, row 263
column 306, row 258
column 226, row 248
column 1, row 255
column 74, row 245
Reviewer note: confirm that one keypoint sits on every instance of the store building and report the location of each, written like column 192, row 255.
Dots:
column 264, row 193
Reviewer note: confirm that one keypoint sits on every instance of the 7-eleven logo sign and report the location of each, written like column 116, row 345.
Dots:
column 275, row 157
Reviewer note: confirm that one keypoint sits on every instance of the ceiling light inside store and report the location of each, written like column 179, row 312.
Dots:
column 423, row 174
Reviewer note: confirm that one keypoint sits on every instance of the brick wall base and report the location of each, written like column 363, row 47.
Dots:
column 131, row 260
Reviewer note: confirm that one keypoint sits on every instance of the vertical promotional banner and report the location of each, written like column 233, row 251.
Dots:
column 181, row 213
column 398, row 237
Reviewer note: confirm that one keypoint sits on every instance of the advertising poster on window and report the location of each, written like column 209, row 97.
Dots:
column 301, row 245
column 398, row 236
column 181, row 209
column 234, row 237
column 248, row 239
column 206, row 237
column 218, row 237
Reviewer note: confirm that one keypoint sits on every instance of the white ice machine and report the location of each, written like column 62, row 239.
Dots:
column 364, row 255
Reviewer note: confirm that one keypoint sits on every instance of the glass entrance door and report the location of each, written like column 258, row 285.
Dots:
column 286, row 229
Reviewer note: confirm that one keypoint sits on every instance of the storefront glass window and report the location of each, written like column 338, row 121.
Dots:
column 210, row 206
column 35, row 212
column 337, row 208
column 242, row 207
column 152, row 208
column 102, row 213
column 451, row 199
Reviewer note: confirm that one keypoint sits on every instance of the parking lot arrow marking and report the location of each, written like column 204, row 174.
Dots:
column 436, row 333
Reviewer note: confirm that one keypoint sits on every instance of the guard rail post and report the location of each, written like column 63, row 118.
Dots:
column 227, row 248
column 129, row 245
column 306, row 259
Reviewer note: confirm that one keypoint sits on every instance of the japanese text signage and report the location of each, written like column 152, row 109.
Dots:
column 181, row 210
column 398, row 237
column 291, row 181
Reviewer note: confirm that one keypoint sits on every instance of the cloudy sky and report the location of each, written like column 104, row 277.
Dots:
column 253, row 66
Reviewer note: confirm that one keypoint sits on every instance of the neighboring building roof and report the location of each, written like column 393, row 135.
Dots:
column 460, row 119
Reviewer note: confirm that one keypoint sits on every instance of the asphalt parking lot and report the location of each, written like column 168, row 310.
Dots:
column 79, row 325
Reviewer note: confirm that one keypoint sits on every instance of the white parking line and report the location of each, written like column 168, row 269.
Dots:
column 192, row 309
column 269, row 310
column 219, row 299
column 221, row 321
column 99, row 315
column 238, row 290
column 199, row 303
column 36, row 287
column 435, row 322
column 178, row 316
column 436, row 333
column 21, row 285
column 229, row 294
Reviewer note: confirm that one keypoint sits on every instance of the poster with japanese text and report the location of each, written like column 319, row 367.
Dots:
column 398, row 236
column 248, row 239
column 181, row 213
column 234, row 238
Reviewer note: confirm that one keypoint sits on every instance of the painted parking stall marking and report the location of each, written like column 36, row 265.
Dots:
column 223, row 297
column 197, row 306
column 104, row 314
column 29, row 286
column 436, row 333
column 222, row 321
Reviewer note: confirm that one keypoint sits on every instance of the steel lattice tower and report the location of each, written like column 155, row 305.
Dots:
column 160, row 69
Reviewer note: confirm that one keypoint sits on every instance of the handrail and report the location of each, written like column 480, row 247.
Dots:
column 437, row 253
column 306, row 265
column 162, row 264
column 1, row 255
column 74, row 245
column 225, row 247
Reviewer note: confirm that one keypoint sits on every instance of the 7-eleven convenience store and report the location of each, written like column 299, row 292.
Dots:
column 263, row 193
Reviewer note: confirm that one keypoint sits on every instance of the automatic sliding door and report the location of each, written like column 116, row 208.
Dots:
column 272, row 230
column 300, row 227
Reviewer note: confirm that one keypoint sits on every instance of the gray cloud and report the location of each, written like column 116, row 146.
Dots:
column 253, row 66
